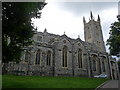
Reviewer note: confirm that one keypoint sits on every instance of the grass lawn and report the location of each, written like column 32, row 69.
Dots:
column 12, row 81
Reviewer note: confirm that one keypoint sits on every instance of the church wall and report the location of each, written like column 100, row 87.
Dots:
column 59, row 69
column 80, row 71
column 42, row 68
column 72, row 61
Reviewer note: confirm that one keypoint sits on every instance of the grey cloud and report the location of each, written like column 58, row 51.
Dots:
column 80, row 8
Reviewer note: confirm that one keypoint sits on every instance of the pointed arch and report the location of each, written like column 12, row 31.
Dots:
column 80, row 58
column 64, row 56
column 38, row 56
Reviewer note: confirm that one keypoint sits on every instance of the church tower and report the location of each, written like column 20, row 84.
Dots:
column 93, row 32
column 118, row 16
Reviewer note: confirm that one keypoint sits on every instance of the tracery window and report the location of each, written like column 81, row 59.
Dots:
column 103, row 66
column 48, row 57
column 94, row 57
column 39, row 38
column 80, row 58
column 65, row 56
column 38, row 56
column 27, row 56
column 103, row 63
column 94, row 65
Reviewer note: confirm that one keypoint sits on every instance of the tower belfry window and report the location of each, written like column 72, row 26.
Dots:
column 64, row 56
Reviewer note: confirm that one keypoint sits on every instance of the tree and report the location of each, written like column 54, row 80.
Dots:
column 17, row 27
column 114, row 39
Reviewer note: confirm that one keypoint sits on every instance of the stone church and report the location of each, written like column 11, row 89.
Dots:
column 55, row 55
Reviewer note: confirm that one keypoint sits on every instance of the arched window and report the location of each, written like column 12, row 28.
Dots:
column 103, row 63
column 94, row 62
column 94, row 65
column 48, row 57
column 79, row 58
column 27, row 56
column 38, row 55
column 39, row 38
column 65, row 56
column 103, row 66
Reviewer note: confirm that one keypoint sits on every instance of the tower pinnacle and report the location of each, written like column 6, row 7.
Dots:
column 84, row 20
column 91, row 15
column 98, row 18
column 64, row 32
column 45, row 30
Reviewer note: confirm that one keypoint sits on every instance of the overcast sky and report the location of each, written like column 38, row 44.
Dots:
column 60, row 17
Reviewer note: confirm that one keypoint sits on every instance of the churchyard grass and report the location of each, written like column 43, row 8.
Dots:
column 12, row 81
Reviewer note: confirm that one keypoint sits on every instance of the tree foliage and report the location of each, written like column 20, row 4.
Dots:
column 114, row 39
column 17, row 27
